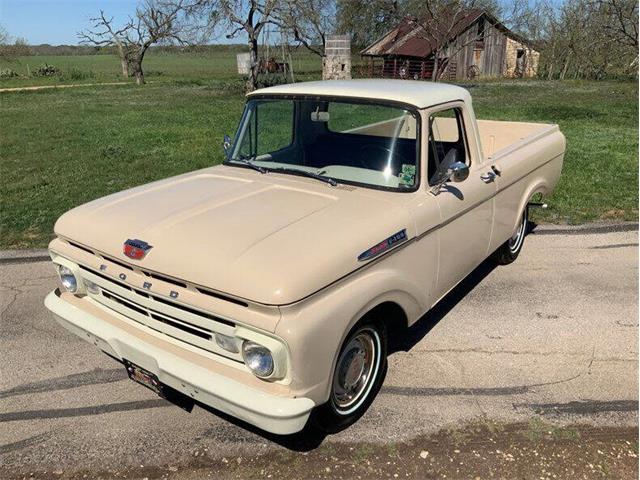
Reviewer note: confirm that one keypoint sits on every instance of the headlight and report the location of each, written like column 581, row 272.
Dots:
column 68, row 279
column 257, row 358
column 226, row 342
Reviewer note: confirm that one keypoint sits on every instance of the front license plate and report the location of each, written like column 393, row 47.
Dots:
column 144, row 377
column 150, row 380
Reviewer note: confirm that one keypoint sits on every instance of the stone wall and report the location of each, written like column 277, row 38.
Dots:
column 527, row 67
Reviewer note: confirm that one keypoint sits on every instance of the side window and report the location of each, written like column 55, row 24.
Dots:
column 270, row 128
column 447, row 143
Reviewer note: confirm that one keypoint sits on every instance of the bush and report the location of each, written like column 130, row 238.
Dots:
column 45, row 71
column 77, row 74
column 7, row 73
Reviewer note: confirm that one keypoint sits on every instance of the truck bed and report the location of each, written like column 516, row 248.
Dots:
column 498, row 138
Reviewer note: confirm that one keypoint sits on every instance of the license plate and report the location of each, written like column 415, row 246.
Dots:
column 144, row 377
column 150, row 380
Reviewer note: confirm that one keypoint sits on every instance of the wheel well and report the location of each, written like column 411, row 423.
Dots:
column 395, row 322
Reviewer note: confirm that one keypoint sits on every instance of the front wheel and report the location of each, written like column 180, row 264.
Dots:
column 357, row 377
column 509, row 250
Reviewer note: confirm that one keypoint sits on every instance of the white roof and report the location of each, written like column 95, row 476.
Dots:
column 420, row 94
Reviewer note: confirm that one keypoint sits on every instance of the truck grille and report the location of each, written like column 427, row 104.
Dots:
column 161, row 314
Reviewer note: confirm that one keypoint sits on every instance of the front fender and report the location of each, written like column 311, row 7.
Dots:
column 315, row 328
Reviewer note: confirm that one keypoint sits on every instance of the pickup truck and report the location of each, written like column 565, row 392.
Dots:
column 271, row 287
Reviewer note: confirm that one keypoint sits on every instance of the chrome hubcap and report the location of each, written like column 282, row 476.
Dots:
column 354, row 369
column 515, row 242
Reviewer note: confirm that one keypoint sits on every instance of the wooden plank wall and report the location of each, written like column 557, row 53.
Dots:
column 490, row 61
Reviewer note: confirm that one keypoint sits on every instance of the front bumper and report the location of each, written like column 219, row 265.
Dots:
column 179, row 368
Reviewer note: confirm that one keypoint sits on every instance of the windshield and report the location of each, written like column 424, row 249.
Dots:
column 373, row 145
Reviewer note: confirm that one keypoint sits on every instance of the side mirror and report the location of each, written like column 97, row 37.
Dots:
column 459, row 172
column 226, row 145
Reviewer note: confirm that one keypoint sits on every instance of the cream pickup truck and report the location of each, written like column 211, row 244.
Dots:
column 271, row 287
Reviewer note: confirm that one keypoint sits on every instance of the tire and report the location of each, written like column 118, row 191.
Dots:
column 509, row 250
column 351, row 393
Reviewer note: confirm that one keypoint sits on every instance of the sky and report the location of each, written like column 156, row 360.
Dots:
column 56, row 22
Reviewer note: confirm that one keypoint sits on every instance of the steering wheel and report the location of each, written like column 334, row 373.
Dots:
column 369, row 157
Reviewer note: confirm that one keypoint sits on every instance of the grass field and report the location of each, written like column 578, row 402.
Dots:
column 60, row 148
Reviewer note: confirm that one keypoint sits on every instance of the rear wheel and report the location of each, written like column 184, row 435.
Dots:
column 509, row 250
column 357, row 377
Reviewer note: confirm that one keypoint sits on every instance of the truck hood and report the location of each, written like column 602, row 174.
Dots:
column 272, row 239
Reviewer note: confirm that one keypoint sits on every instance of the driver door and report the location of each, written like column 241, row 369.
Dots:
column 467, row 207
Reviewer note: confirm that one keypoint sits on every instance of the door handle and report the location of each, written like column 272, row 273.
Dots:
column 488, row 177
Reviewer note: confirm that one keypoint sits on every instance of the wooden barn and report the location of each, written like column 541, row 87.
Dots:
column 468, row 44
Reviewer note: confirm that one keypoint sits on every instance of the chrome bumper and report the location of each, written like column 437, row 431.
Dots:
column 176, row 368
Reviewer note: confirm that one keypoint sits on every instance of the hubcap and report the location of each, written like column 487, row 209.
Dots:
column 515, row 242
column 354, row 370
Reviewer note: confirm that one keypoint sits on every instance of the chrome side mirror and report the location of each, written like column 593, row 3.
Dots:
column 458, row 172
column 226, row 145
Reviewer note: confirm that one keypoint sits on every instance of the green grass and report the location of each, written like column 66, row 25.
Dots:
column 60, row 148
column 600, row 121
column 158, row 67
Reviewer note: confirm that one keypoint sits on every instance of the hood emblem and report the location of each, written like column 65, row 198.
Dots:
column 136, row 249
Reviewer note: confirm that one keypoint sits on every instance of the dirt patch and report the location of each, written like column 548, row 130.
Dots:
column 535, row 450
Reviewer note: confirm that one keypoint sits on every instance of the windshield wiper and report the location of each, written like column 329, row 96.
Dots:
column 248, row 161
column 305, row 173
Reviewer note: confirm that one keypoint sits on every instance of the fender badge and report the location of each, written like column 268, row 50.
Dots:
column 383, row 246
column 136, row 249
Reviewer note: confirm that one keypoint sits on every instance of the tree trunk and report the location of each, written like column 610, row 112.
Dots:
column 434, row 74
column 252, row 82
column 139, row 76
column 137, row 71
column 123, row 60
column 137, row 66
column 125, row 67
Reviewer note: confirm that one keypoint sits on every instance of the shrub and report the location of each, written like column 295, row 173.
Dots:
column 45, row 70
column 77, row 74
column 7, row 73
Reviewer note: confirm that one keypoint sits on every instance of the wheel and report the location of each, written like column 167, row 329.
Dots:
column 509, row 250
column 357, row 378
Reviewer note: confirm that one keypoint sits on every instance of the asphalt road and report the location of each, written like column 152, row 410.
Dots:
column 553, row 337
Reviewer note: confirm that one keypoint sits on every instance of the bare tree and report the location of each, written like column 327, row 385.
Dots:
column 4, row 36
column 622, row 20
column 366, row 20
column 11, row 51
column 309, row 22
column 248, row 17
column 155, row 21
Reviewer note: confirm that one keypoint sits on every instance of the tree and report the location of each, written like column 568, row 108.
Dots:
column 4, row 36
column 367, row 20
column 155, row 21
column 309, row 22
column 248, row 17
